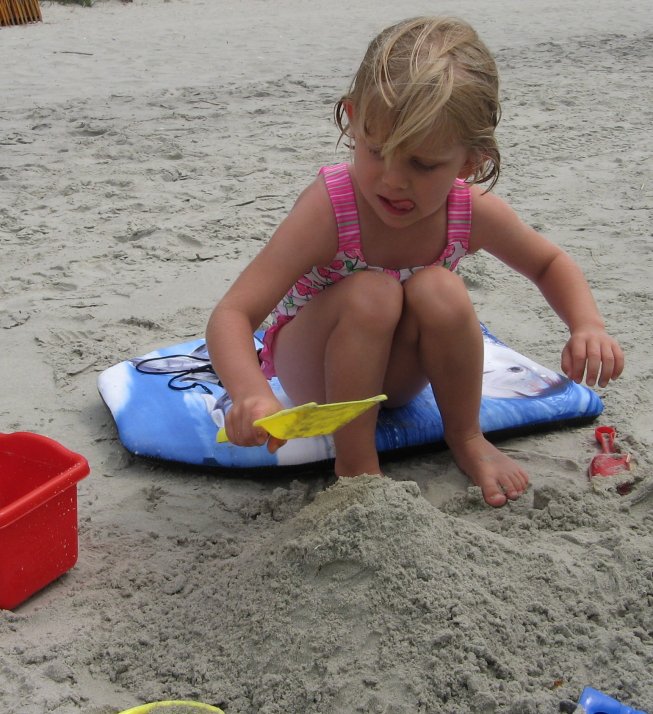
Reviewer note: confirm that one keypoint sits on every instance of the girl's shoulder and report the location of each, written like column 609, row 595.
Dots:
column 311, row 224
column 314, row 204
column 497, row 229
column 491, row 216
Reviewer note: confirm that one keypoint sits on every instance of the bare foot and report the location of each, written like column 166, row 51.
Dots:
column 499, row 477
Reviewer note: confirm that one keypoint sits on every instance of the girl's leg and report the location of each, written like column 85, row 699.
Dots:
column 439, row 337
column 337, row 349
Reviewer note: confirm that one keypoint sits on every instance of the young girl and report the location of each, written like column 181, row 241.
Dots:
column 362, row 269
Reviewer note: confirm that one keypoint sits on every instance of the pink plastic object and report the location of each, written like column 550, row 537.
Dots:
column 611, row 469
column 38, row 513
column 611, row 462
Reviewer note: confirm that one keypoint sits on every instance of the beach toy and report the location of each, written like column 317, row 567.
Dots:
column 311, row 419
column 38, row 513
column 594, row 702
column 169, row 404
column 611, row 468
column 172, row 707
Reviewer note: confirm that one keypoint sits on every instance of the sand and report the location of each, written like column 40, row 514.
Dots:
column 147, row 150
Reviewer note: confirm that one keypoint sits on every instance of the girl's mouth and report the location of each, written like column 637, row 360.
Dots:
column 397, row 208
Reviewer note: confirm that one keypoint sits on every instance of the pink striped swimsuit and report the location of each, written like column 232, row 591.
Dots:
column 349, row 258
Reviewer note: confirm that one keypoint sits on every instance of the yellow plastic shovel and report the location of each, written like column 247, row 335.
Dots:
column 179, row 705
column 311, row 419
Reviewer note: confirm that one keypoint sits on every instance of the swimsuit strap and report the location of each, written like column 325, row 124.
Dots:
column 459, row 214
column 341, row 192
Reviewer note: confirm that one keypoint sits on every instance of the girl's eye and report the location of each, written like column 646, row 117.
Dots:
column 375, row 151
column 422, row 166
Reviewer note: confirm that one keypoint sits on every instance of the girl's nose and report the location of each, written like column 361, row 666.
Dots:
column 394, row 175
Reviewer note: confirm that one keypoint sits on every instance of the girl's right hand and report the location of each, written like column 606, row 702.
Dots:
column 239, row 422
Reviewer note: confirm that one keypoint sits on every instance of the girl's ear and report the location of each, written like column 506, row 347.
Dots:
column 349, row 111
column 468, row 169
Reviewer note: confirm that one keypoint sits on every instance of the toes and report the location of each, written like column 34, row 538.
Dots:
column 510, row 487
column 494, row 497
column 515, row 485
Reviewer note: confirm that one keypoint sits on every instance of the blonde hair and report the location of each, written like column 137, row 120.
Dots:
column 426, row 76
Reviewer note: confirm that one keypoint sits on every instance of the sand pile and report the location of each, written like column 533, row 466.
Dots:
column 369, row 597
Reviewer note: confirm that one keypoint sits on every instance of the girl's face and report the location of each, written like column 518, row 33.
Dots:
column 409, row 186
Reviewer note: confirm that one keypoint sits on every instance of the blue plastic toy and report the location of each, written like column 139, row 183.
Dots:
column 594, row 702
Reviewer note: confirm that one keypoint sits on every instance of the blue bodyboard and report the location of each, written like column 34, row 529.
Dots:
column 169, row 405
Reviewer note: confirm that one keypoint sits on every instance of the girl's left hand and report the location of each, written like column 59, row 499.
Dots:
column 593, row 353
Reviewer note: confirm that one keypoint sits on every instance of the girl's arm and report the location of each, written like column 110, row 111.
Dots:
column 307, row 237
column 590, row 351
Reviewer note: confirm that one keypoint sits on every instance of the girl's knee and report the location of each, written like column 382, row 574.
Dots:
column 437, row 294
column 375, row 298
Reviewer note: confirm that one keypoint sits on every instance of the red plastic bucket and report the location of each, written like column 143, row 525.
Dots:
column 38, row 513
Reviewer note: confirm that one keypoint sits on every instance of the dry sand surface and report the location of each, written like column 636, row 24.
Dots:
column 147, row 150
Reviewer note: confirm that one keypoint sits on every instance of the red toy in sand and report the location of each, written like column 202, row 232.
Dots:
column 611, row 464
